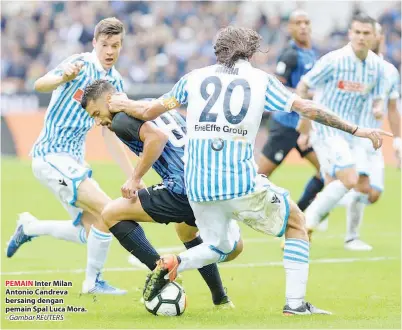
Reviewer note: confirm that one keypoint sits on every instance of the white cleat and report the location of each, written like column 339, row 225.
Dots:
column 357, row 245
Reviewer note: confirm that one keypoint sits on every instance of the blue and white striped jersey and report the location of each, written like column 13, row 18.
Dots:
column 224, row 112
column 66, row 123
column 391, row 92
column 346, row 85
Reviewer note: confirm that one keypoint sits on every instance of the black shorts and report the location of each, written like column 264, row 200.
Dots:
column 281, row 140
column 164, row 206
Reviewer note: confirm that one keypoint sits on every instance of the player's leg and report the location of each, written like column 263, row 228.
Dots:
column 315, row 184
column 220, row 240
column 280, row 141
column 121, row 216
column 70, row 181
column 210, row 273
column 335, row 159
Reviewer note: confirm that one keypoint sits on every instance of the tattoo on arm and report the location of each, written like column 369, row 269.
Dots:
column 320, row 114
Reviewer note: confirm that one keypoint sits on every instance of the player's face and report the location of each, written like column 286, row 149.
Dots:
column 300, row 28
column 99, row 110
column 361, row 36
column 376, row 42
column 107, row 49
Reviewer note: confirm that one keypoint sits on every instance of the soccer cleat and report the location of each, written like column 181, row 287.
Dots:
column 19, row 237
column 225, row 303
column 101, row 287
column 357, row 245
column 165, row 267
column 304, row 309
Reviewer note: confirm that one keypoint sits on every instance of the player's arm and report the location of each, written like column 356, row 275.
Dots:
column 154, row 140
column 149, row 110
column 278, row 98
column 64, row 73
column 394, row 117
column 118, row 152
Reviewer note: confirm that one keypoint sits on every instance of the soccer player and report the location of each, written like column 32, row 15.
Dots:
column 160, row 144
column 295, row 61
column 368, row 161
column 225, row 103
column 58, row 156
column 350, row 81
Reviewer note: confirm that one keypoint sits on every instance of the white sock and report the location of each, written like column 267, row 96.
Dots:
column 98, row 247
column 324, row 203
column 354, row 215
column 60, row 229
column 345, row 200
column 295, row 261
column 198, row 257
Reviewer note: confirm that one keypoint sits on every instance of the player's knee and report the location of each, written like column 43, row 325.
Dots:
column 350, row 181
column 109, row 215
column 236, row 252
column 296, row 227
column 185, row 232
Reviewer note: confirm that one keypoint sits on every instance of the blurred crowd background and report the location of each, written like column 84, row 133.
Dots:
column 164, row 40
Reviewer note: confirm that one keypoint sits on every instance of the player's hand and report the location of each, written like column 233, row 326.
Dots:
column 303, row 141
column 117, row 102
column 130, row 188
column 374, row 134
column 72, row 70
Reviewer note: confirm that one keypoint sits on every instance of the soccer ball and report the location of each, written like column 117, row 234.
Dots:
column 171, row 301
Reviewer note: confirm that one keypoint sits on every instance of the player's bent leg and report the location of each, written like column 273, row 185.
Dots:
column 374, row 196
column 265, row 165
column 296, row 264
column 210, row 273
column 121, row 217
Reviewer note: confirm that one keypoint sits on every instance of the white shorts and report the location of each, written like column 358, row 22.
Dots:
column 266, row 210
column 334, row 153
column 369, row 162
column 62, row 174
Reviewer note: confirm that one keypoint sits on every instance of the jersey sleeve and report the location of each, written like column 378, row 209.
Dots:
column 286, row 64
column 126, row 128
column 379, row 88
column 177, row 96
column 321, row 72
column 277, row 96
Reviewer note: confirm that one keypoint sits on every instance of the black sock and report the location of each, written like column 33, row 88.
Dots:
column 313, row 187
column 210, row 274
column 132, row 237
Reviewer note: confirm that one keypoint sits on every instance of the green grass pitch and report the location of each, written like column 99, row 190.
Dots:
column 362, row 289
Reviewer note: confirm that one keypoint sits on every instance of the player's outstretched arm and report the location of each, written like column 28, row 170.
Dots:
column 320, row 114
column 394, row 119
column 50, row 81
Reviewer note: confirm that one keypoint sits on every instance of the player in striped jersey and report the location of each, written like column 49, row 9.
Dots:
column 368, row 161
column 348, row 80
column 160, row 145
column 225, row 106
column 58, row 155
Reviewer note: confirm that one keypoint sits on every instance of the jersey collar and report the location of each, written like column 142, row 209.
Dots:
column 243, row 63
column 352, row 53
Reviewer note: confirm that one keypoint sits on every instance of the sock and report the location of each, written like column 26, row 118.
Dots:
column 324, row 202
column 60, row 229
column 132, row 237
column 345, row 200
column 97, row 249
column 295, row 261
column 354, row 215
column 313, row 187
column 198, row 257
column 210, row 274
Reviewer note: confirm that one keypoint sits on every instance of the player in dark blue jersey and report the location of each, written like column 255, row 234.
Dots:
column 160, row 145
column 295, row 61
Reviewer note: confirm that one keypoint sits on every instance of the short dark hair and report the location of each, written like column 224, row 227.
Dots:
column 94, row 90
column 234, row 43
column 363, row 18
column 109, row 26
